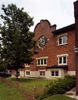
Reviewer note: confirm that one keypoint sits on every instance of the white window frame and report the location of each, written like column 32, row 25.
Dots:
column 27, row 71
column 42, row 72
column 55, row 73
column 27, row 65
column 62, row 56
column 41, row 58
column 62, row 36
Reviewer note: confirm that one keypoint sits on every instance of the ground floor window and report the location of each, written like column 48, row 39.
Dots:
column 27, row 72
column 42, row 73
column 54, row 73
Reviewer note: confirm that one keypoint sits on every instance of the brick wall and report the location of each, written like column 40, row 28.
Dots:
column 51, row 50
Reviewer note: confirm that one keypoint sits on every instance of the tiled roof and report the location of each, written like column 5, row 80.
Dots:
column 58, row 31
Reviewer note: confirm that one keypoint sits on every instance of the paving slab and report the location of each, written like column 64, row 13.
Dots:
column 72, row 93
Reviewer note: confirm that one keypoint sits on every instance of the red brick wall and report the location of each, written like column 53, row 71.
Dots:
column 52, row 49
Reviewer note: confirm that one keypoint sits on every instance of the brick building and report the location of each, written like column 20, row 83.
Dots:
column 56, row 54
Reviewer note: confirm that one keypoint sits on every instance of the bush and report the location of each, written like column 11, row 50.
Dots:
column 59, row 97
column 5, row 75
column 58, row 86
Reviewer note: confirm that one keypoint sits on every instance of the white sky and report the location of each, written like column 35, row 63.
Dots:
column 59, row 12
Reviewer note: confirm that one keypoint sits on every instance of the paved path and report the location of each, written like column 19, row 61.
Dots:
column 72, row 93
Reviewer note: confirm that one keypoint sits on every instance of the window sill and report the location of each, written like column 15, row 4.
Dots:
column 55, row 76
column 62, row 64
column 27, row 75
column 42, row 76
column 62, row 44
column 41, row 65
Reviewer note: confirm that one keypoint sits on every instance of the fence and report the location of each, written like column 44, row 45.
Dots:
column 22, row 89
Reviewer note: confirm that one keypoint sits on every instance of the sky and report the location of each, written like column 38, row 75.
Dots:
column 59, row 12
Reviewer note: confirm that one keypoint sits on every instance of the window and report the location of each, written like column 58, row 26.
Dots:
column 42, row 73
column 42, row 61
column 62, row 59
column 27, row 72
column 54, row 73
column 27, row 65
column 62, row 40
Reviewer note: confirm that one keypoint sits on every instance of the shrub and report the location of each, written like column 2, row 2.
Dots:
column 58, row 86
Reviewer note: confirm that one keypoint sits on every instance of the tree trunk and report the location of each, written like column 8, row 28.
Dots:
column 17, row 75
column 76, row 42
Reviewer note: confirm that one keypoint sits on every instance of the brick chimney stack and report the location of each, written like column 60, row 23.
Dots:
column 76, row 41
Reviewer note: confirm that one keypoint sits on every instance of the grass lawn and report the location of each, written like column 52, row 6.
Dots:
column 30, row 83
column 59, row 97
column 10, row 93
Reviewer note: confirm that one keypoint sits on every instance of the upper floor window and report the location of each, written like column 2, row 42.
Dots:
column 42, row 61
column 62, row 39
column 62, row 59
column 27, row 65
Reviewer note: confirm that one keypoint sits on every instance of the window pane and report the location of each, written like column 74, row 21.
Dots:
column 44, row 73
column 60, row 60
column 42, row 61
column 38, row 61
column 27, row 72
column 45, row 62
column 41, row 73
column 56, row 73
column 60, row 40
column 52, row 73
column 64, row 39
column 64, row 59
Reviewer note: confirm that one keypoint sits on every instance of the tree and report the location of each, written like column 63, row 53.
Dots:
column 17, row 44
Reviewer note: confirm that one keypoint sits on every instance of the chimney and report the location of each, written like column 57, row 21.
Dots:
column 76, row 42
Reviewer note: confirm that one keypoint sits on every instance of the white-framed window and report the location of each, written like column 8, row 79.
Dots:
column 42, row 73
column 62, row 59
column 27, row 65
column 27, row 72
column 42, row 61
column 62, row 39
column 55, row 73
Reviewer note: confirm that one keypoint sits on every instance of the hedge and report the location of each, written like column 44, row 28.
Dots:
column 58, row 86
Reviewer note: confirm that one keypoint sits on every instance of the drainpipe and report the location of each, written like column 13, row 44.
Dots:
column 76, row 42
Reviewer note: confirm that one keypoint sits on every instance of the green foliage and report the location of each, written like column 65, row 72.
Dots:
column 10, row 93
column 17, row 44
column 58, row 86
column 59, row 97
